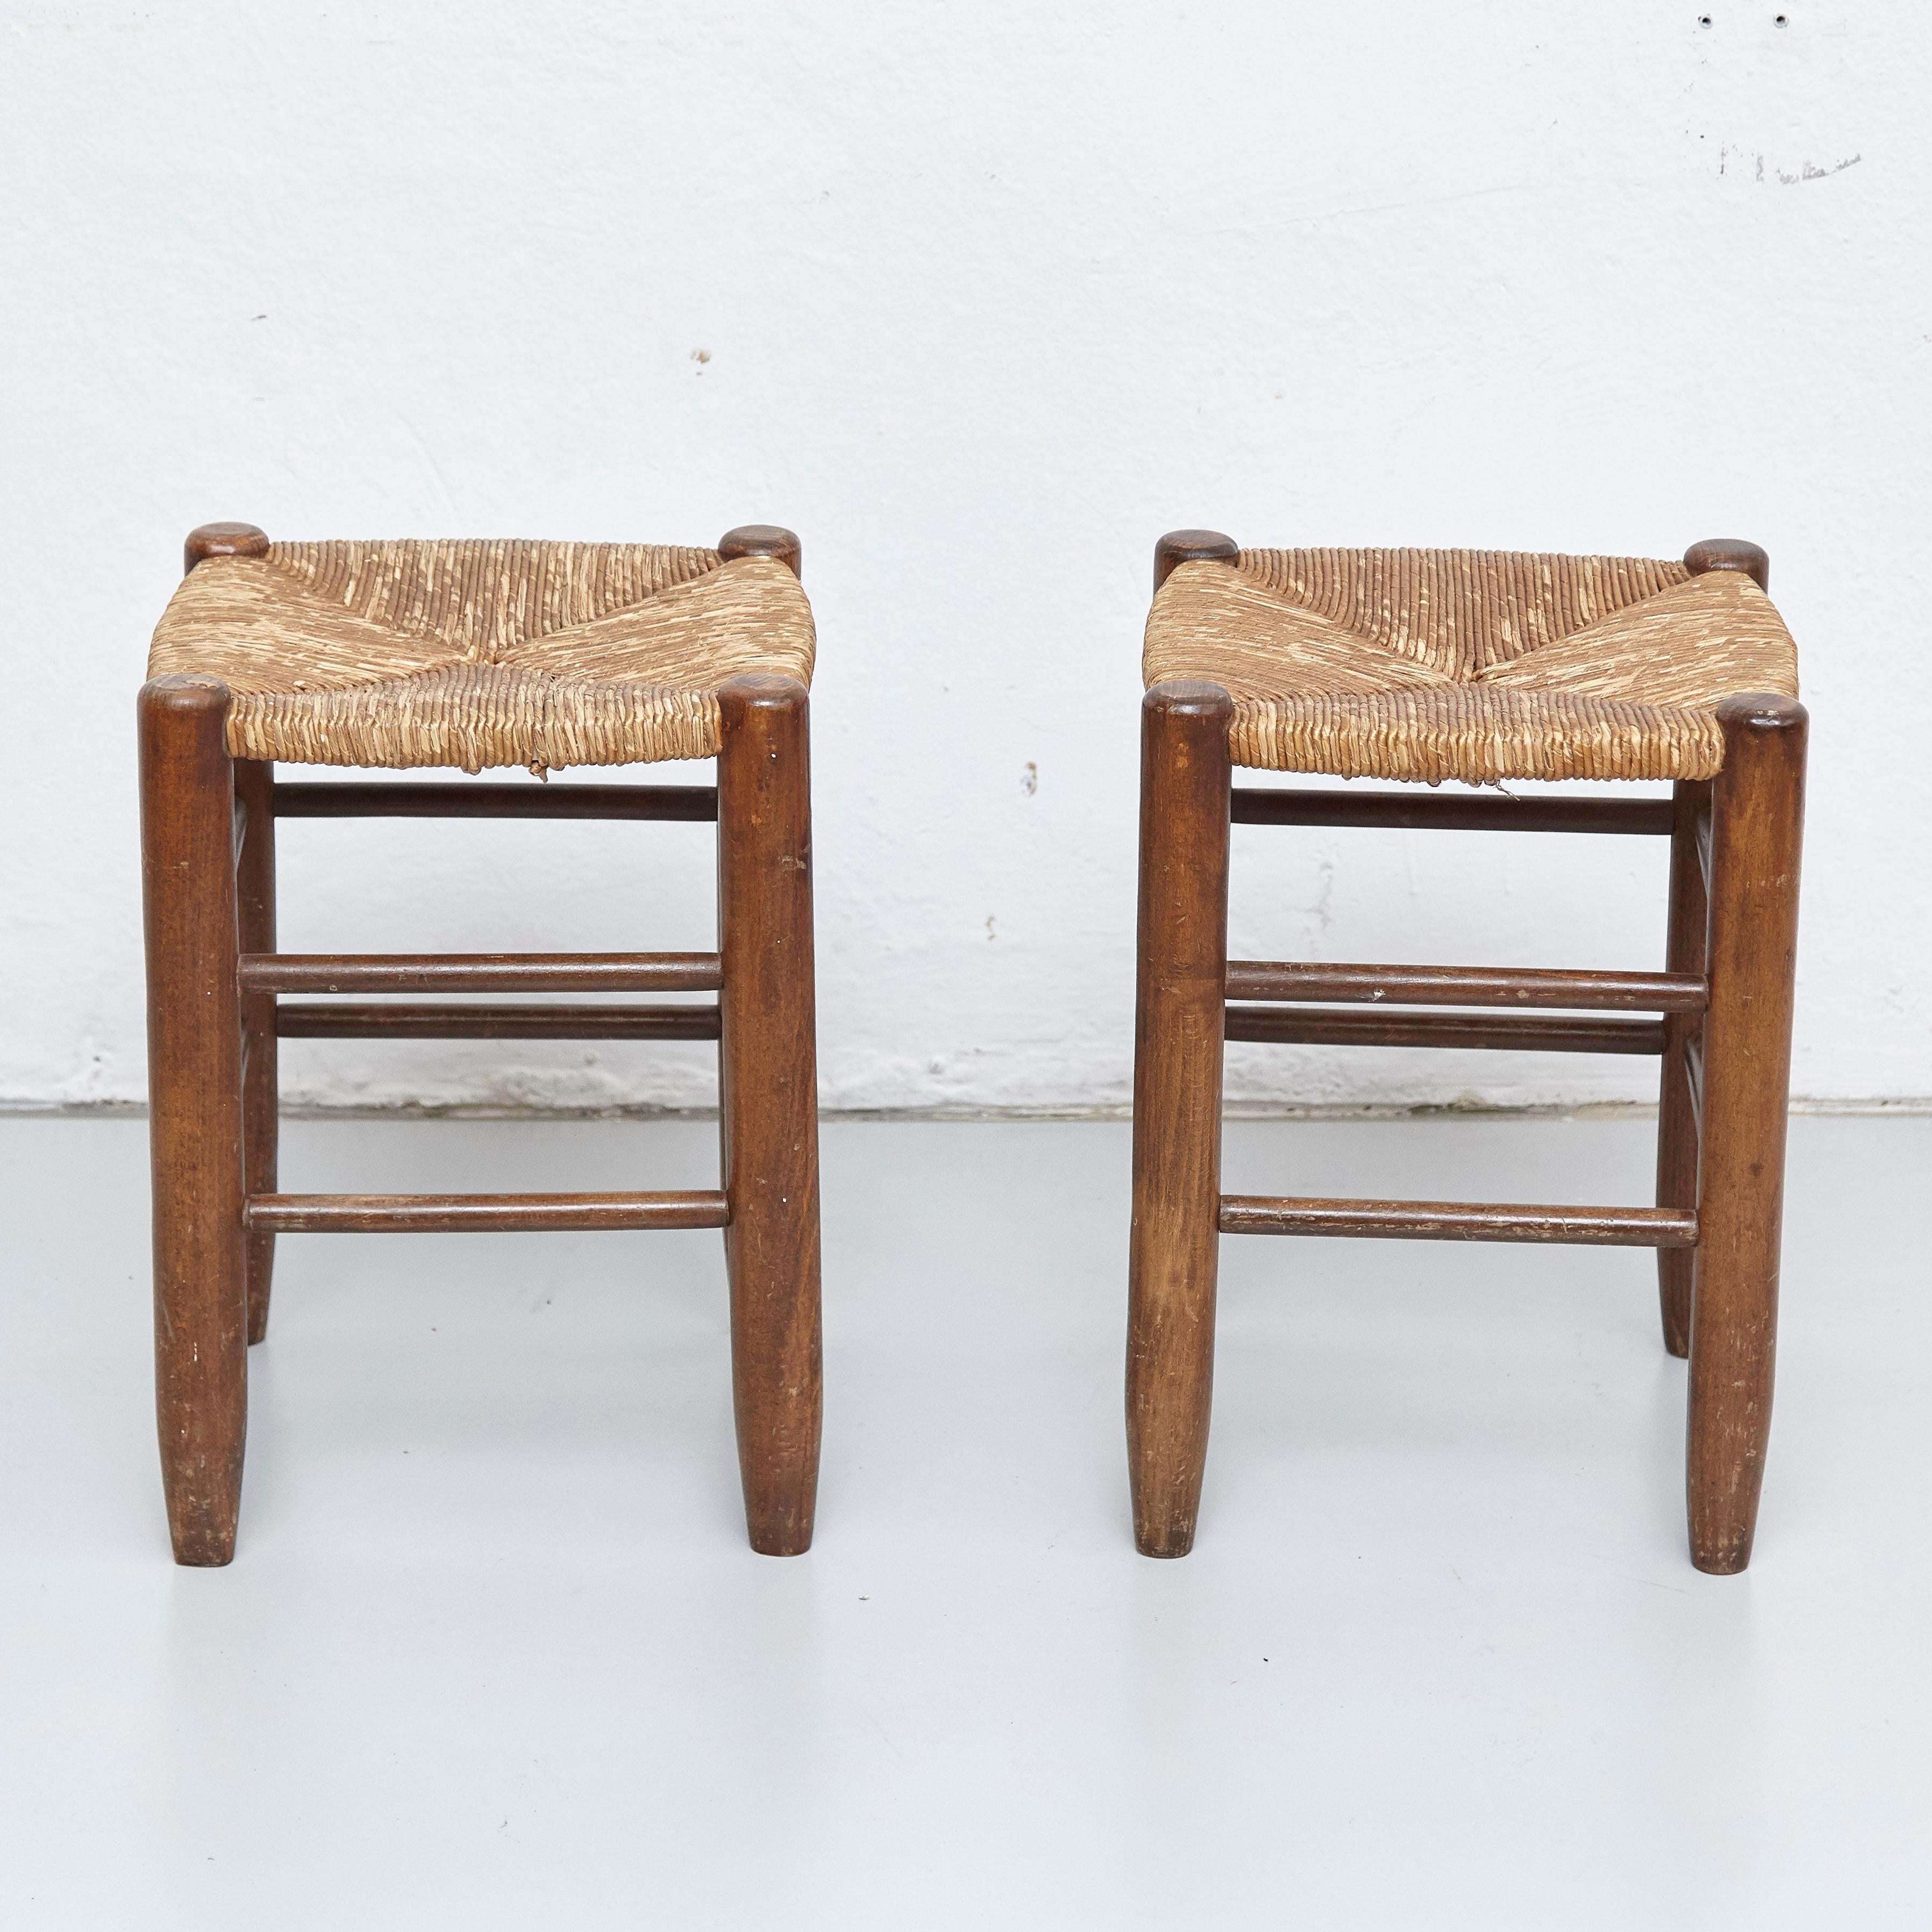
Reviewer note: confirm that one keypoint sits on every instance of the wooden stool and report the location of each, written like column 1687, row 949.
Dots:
column 472, row 654
column 1482, row 666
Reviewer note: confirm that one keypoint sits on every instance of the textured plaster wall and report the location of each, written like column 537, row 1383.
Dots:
column 980, row 299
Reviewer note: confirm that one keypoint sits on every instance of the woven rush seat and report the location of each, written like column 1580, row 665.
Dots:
column 479, row 654
column 472, row 655
column 1479, row 666
column 1475, row 665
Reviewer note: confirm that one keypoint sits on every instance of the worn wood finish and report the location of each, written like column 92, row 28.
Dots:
column 1465, row 986
column 1516, row 1033
column 1757, row 820
column 764, row 540
column 481, row 1213
column 1730, row 553
column 768, row 1087
column 195, row 1114
column 222, row 540
column 1173, row 1252
column 481, row 973
column 415, row 1021
column 696, row 804
column 1676, row 1118
column 261, row 1089
column 1725, row 1000
column 1256, row 805
column 1460, row 1221
column 254, row 850
column 1180, row 546
column 215, row 983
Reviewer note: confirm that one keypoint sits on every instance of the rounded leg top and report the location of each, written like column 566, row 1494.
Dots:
column 1180, row 546
column 1730, row 553
column 222, row 540
column 764, row 540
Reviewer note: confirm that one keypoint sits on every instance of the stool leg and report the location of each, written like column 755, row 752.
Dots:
column 1676, row 1120
column 194, row 1089
column 1757, row 818
column 255, row 890
column 768, row 1083
column 1179, row 1021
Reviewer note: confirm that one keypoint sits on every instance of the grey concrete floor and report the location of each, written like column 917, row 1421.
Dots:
column 494, row 1653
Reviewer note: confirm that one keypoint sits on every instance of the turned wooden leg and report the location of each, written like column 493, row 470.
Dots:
column 255, row 892
column 769, row 1099
column 1185, row 778
column 194, row 1089
column 1676, row 1118
column 1757, row 818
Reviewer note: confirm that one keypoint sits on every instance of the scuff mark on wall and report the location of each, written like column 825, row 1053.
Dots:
column 1807, row 171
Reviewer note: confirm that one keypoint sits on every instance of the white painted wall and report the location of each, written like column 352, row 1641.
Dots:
column 992, row 296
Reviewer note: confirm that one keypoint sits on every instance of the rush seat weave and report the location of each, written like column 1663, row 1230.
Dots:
column 1475, row 665
column 480, row 653
column 471, row 654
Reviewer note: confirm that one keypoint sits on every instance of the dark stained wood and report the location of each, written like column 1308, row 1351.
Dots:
column 1464, row 985
column 764, row 540
column 1424, row 811
column 1676, row 1118
column 1173, row 1253
column 1725, row 998
column 414, row 1020
column 1757, row 821
column 195, row 1117
column 1516, row 1033
column 480, row 1213
column 214, row 982
column 768, row 1086
column 261, row 1092
column 481, row 973
column 1460, row 1221
column 694, row 803
column 1180, row 546
column 222, row 540
column 1729, row 553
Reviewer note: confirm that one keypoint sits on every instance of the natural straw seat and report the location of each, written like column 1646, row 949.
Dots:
column 1476, row 665
column 473, row 654
column 481, row 653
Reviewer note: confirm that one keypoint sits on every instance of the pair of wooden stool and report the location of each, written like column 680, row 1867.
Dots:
column 1410, row 665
